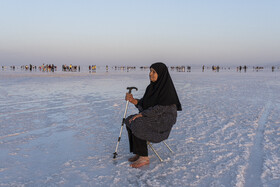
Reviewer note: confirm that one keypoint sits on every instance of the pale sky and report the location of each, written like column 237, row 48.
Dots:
column 124, row 32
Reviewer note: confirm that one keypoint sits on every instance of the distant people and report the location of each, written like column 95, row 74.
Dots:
column 93, row 68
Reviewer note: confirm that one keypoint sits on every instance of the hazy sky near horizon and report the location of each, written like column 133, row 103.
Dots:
column 139, row 32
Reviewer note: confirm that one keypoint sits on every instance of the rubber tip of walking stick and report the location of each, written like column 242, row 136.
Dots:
column 115, row 154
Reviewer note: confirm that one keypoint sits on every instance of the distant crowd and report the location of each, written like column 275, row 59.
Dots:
column 93, row 68
column 72, row 68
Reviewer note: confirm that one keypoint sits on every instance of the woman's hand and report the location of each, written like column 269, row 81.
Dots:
column 136, row 116
column 129, row 97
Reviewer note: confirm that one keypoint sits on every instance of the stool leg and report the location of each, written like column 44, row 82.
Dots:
column 155, row 151
column 168, row 147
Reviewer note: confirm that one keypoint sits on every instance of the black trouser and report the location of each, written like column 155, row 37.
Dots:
column 137, row 146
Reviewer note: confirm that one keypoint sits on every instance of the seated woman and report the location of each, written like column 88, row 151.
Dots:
column 157, row 114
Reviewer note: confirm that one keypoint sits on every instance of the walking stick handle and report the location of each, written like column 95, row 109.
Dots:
column 131, row 88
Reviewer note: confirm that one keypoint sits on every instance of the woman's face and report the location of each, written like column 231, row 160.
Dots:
column 153, row 75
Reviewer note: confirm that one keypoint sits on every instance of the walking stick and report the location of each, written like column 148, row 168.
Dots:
column 119, row 139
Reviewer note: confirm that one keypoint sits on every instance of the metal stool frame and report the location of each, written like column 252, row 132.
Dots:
column 150, row 145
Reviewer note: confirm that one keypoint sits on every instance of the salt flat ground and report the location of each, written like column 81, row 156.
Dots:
column 61, row 129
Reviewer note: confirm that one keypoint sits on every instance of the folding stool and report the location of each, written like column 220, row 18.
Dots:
column 156, row 151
